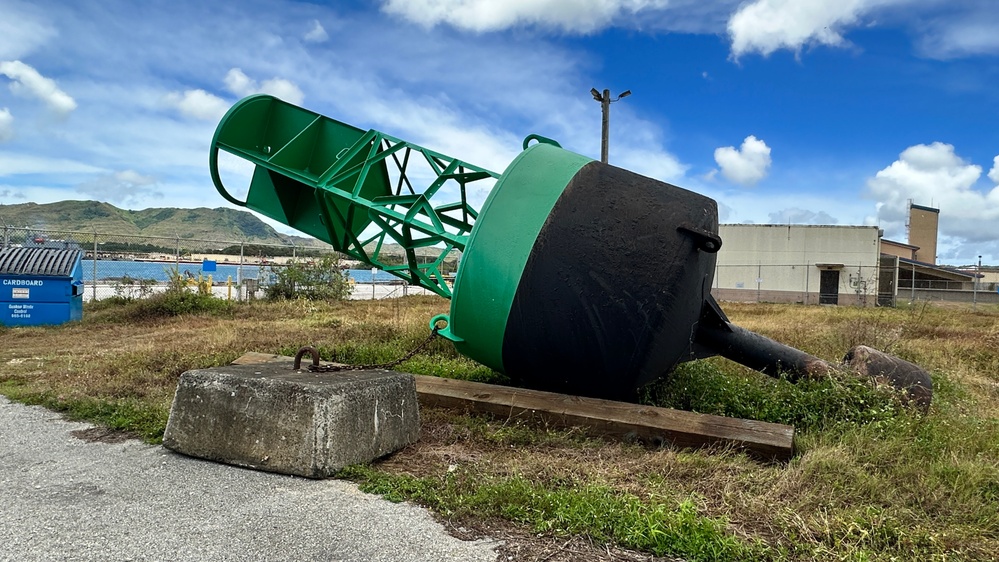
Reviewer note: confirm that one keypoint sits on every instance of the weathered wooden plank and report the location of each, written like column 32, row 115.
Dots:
column 604, row 417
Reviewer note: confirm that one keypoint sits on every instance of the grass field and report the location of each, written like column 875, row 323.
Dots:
column 871, row 479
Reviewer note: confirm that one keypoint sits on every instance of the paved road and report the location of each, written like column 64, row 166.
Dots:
column 62, row 498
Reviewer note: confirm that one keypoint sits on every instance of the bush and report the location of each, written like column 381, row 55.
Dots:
column 182, row 296
column 312, row 280
column 127, row 289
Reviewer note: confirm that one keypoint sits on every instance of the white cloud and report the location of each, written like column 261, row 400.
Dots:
column 316, row 34
column 765, row 26
column 198, row 104
column 577, row 16
column 237, row 82
column 935, row 175
column 26, row 81
column 794, row 215
column 653, row 163
column 13, row 164
column 121, row 187
column 958, row 29
column 21, row 30
column 746, row 165
column 6, row 125
column 284, row 89
column 994, row 172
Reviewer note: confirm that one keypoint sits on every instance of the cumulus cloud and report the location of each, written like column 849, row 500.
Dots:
column 237, row 82
column 317, row 33
column 765, row 26
column 576, row 16
column 26, row 81
column 198, row 104
column 746, row 165
column 122, row 187
column 994, row 172
column 6, row 125
column 794, row 215
column 935, row 175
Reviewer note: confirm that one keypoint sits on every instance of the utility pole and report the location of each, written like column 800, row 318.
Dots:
column 605, row 100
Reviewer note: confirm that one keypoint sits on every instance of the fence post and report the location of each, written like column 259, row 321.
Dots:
column 808, row 270
column 759, row 281
column 94, row 285
column 178, row 252
column 239, row 272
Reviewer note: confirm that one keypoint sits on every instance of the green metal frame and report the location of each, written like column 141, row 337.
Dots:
column 296, row 152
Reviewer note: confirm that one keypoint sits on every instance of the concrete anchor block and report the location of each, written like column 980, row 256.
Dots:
column 270, row 417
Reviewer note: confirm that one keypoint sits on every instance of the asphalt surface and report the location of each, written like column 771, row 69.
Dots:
column 63, row 498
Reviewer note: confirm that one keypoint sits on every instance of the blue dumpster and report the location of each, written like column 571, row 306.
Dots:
column 40, row 286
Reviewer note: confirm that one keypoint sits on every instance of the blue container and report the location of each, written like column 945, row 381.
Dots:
column 40, row 286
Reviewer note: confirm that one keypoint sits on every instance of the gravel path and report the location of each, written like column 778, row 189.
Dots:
column 64, row 498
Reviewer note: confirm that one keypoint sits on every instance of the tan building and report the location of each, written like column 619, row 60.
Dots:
column 898, row 249
column 798, row 264
column 923, row 226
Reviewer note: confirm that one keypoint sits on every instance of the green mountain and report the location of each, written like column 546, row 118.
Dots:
column 222, row 224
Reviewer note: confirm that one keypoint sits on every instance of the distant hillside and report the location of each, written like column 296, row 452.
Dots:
column 219, row 224
column 222, row 224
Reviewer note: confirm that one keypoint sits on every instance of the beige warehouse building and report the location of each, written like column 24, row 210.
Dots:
column 832, row 264
column 798, row 264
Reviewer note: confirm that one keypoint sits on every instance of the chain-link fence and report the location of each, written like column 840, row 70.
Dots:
column 798, row 283
column 137, row 266
column 858, row 285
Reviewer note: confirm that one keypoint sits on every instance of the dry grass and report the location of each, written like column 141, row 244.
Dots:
column 894, row 486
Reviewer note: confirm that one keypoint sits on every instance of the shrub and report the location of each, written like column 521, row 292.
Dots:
column 127, row 289
column 312, row 280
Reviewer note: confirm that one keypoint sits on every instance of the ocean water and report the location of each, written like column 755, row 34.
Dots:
column 159, row 271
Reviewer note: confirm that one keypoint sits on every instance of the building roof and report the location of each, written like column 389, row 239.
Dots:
column 942, row 271
column 902, row 244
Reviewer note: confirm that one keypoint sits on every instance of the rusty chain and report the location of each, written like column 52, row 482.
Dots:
column 315, row 367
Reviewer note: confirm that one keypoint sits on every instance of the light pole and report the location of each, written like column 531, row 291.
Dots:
column 605, row 101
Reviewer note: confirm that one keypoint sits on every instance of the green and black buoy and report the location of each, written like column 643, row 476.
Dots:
column 576, row 276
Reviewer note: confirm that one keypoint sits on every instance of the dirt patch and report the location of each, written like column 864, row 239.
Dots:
column 102, row 435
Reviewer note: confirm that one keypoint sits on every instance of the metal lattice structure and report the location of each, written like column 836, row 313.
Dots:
column 357, row 190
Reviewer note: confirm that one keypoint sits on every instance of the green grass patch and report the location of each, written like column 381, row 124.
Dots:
column 598, row 512
column 809, row 405
column 134, row 416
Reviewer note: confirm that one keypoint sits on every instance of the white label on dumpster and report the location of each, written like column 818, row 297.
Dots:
column 20, row 293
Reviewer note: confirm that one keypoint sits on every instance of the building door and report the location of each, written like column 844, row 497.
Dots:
column 829, row 286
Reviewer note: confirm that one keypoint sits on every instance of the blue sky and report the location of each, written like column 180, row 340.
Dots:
column 802, row 111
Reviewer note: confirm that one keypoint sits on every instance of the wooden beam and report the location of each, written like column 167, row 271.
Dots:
column 657, row 426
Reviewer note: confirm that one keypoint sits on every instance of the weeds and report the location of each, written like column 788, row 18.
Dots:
column 598, row 512
column 809, row 405
column 871, row 480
